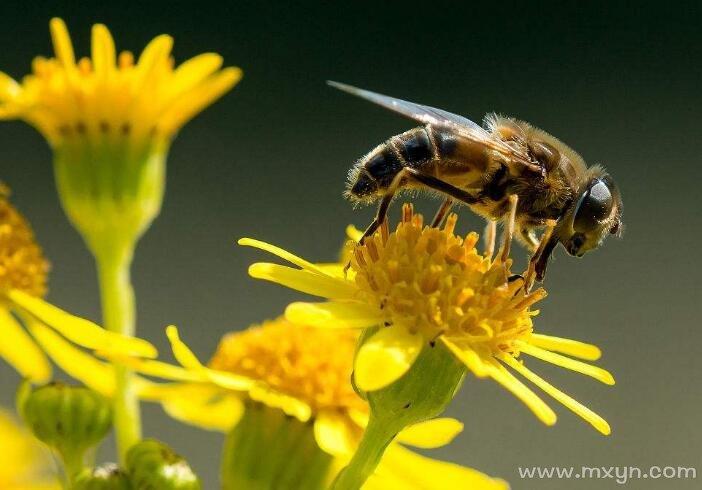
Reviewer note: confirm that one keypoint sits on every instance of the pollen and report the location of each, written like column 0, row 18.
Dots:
column 311, row 365
column 434, row 282
column 22, row 262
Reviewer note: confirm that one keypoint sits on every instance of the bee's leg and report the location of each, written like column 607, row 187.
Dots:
column 442, row 212
column 382, row 211
column 380, row 215
column 430, row 181
column 539, row 261
column 440, row 186
column 509, row 228
column 526, row 235
column 490, row 235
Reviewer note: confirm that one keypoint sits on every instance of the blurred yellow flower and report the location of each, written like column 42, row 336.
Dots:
column 26, row 463
column 110, row 121
column 305, row 373
column 424, row 285
column 109, row 97
column 23, row 277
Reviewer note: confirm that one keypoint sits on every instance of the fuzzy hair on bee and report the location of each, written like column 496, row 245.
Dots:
column 505, row 170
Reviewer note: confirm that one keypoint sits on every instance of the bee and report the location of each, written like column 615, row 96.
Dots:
column 506, row 171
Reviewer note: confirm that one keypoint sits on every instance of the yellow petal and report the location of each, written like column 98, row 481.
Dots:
column 204, row 406
column 182, row 352
column 103, row 50
column 571, row 347
column 62, row 42
column 157, row 369
column 18, row 349
column 303, row 280
column 336, row 270
column 290, row 405
column 597, row 422
column 353, row 233
column 76, row 363
column 468, row 357
column 385, row 357
column 200, row 97
column 188, row 360
column 401, row 468
column 194, row 71
column 154, row 56
column 333, row 433
column 279, row 252
column 431, row 433
column 567, row 363
column 333, row 314
column 9, row 88
column 80, row 331
column 521, row 391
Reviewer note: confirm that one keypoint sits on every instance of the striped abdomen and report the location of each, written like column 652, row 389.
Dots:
column 432, row 151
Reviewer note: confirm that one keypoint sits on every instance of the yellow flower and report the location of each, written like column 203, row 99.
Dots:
column 305, row 373
column 110, row 121
column 109, row 97
column 424, row 285
column 23, row 277
column 26, row 464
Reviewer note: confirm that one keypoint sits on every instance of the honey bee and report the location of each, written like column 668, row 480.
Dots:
column 507, row 171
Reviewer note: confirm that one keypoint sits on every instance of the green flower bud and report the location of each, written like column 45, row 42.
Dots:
column 105, row 477
column 420, row 394
column 154, row 466
column 70, row 419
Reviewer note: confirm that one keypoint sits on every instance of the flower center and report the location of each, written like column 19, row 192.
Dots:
column 309, row 364
column 22, row 263
column 436, row 283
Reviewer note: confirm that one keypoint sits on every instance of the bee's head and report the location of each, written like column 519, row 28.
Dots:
column 596, row 212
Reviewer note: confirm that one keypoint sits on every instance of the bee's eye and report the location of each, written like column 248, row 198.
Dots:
column 594, row 207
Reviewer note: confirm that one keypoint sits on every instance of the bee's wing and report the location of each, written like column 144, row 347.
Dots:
column 438, row 118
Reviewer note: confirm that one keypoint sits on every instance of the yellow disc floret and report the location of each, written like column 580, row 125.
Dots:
column 434, row 282
column 22, row 263
column 311, row 365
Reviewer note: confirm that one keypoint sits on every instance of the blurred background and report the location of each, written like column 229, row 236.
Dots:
column 618, row 82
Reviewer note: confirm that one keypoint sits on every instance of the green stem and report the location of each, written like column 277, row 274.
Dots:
column 117, row 298
column 72, row 466
column 420, row 394
column 376, row 438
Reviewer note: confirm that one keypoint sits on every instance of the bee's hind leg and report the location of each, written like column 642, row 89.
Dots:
column 384, row 205
column 442, row 212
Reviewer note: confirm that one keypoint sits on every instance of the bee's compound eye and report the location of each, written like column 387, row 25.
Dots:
column 594, row 207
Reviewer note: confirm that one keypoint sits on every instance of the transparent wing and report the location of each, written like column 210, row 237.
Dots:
column 436, row 117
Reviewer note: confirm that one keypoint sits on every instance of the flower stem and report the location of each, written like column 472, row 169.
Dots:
column 420, row 394
column 117, row 298
column 73, row 465
column 376, row 438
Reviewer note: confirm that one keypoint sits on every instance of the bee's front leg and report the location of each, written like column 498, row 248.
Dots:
column 528, row 238
column 539, row 261
column 508, row 232
column 490, row 235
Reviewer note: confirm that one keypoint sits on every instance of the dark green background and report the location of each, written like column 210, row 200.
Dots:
column 619, row 82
